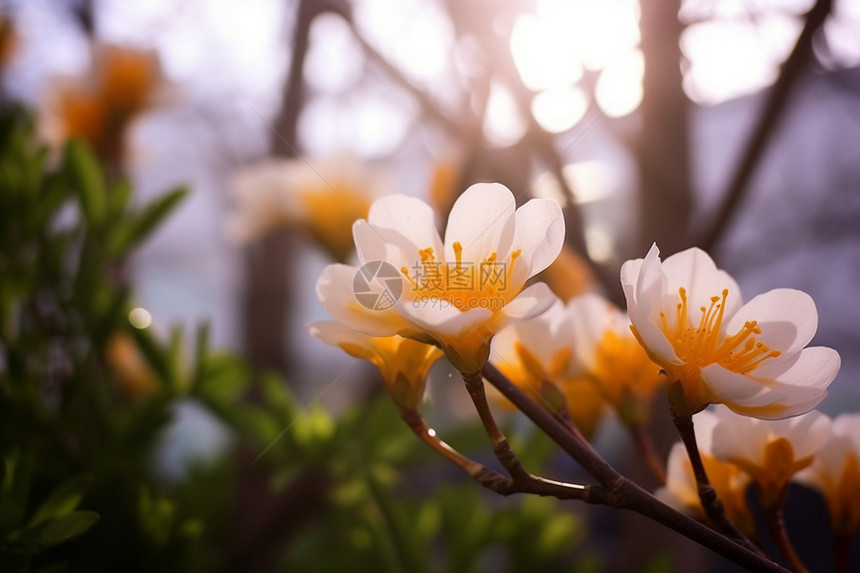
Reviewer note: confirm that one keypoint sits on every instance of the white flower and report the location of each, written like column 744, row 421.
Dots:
column 690, row 317
column 729, row 481
column 585, row 348
column 613, row 358
column 459, row 293
column 322, row 195
column 403, row 363
column 835, row 473
column 539, row 355
column 770, row 451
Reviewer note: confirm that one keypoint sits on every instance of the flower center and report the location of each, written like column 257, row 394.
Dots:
column 463, row 284
column 703, row 343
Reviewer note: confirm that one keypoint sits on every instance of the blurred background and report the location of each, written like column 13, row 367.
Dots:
column 727, row 124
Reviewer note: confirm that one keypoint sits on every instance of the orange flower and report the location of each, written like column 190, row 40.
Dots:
column 135, row 379
column 99, row 107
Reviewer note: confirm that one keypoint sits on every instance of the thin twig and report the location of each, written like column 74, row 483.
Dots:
column 776, row 525
column 841, row 552
column 501, row 448
column 766, row 127
column 646, row 448
column 495, row 481
column 707, row 495
column 621, row 492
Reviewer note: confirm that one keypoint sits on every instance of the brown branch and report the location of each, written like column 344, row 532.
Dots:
column 501, row 448
column 269, row 290
column 776, row 525
column 773, row 111
column 707, row 495
column 662, row 147
column 646, row 448
column 841, row 552
column 492, row 480
column 621, row 492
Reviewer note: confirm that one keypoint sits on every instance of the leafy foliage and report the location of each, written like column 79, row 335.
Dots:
column 86, row 397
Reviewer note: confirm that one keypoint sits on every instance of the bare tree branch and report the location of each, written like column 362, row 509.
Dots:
column 773, row 110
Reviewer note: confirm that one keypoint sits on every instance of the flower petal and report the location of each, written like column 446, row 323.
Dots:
column 787, row 318
column 815, row 367
column 696, row 272
column 336, row 334
column 381, row 244
column 532, row 301
column 748, row 396
column 704, row 423
column 848, row 425
column 409, row 216
column 591, row 316
column 440, row 316
column 739, row 437
column 540, row 334
column 335, row 291
column 482, row 221
column 807, row 432
column 642, row 281
column 539, row 236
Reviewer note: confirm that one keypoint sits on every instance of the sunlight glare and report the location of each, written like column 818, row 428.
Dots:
column 619, row 89
column 558, row 110
column 503, row 125
column 597, row 30
column 538, row 55
column 731, row 59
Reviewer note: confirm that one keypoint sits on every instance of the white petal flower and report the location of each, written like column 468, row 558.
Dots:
column 584, row 348
column 729, row 481
column 322, row 195
column 403, row 363
column 835, row 473
column 770, row 451
column 612, row 356
column 460, row 292
column 539, row 356
column 691, row 319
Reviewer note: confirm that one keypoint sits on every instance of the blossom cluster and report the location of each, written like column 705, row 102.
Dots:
column 741, row 451
column 742, row 371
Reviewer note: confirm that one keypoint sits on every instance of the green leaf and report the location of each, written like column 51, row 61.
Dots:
column 118, row 197
column 278, row 397
column 61, row 501
column 156, row 516
column 54, row 531
column 88, row 179
column 146, row 221
column 14, row 491
column 662, row 562
column 313, row 427
column 221, row 378
column 174, row 357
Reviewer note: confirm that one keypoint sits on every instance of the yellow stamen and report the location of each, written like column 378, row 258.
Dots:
column 703, row 344
column 463, row 284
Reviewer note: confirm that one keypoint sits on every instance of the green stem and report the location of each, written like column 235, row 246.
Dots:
column 396, row 526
